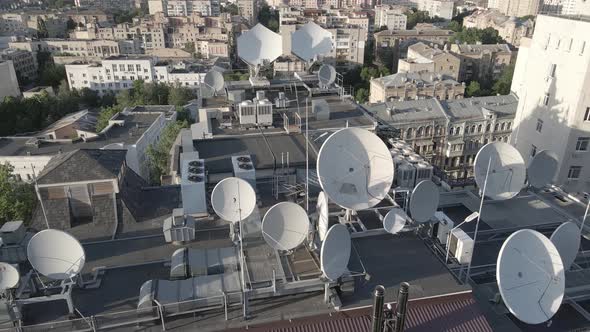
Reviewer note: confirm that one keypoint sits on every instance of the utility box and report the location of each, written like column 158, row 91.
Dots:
column 13, row 232
column 461, row 246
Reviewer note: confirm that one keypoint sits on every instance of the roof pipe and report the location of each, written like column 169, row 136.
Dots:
column 378, row 298
column 402, row 307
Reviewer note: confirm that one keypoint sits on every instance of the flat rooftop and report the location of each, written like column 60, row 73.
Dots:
column 135, row 125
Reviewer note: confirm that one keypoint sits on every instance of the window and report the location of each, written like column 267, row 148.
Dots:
column 582, row 47
column 569, row 46
column 488, row 126
column 479, row 128
column 508, row 124
column 496, row 127
column 582, row 143
column 138, row 68
column 114, row 68
column 574, row 172
column 122, row 67
column 533, row 150
column 503, row 126
column 546, row 99
column 539, row 125
column 551, row 72
column 129, row 67
column 587, row 114
column 558, row 44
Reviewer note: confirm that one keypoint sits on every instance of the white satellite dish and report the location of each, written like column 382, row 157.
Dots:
column 214, row 80
column 233, row 199
column 543, row 168
column 424, row 201
column 9, row 276
column 355, row 168
column 285, row 226
column 258, row 45
column 507, row 171
column 310, row 41
column 323, row 215
column 56, row 254
column 326, row 75
column 566, row 239
column 394, row 220
column 335, row 252
column 530, row 276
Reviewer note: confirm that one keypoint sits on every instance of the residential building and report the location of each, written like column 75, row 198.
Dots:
column 405, row 38
column 440, row 8
column 518, row 8
column 424, row 58
column 481, row 62
column 184, row 7
column 9, row 82
column 565, row 7
column 94, row 49
column 27, row 23
column 89, row 16
column 248, row 10
column 449, row 133
column 150, row 34
column 392, row 18
column 118, row 73
column 131, row 131
column 24, row 63
column 511, row 29
column 106, row 4
column 411, row 86
column 551, row 78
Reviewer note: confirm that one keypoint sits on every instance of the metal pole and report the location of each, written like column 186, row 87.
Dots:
column 401, row 307
column 585, row 215
column 306, row 155
column 483, row 195
column 41, row 201
column 378, row 297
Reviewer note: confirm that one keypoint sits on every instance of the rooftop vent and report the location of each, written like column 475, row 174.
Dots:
column 195, row 178
column 195, row 163
column 245, row 166
column 244, row 159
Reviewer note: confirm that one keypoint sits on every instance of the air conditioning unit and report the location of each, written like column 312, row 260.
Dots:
column 244, row 168
column 193, row 184
column 461, row 246
column 445, row 224
column 179, row 228
column 13, row 232
column 247, row 112
column 264, row 112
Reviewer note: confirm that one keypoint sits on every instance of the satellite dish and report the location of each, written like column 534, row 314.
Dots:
column 233, row 199
column 507, row 171
column 323, row 215
column 56, row 254
column 326, row 75
column 530, row 276
column 424, row 201
column 258, row 45
column 206, row 91
column 214, row 79
column 310, row 41
column 9, row 276
column 543, row 168
column 394, row 220
column 335, row 252
column 355, row 168
column 285, row 226
column 566, row 239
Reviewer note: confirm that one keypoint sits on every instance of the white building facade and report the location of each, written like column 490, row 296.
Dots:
column 390, row 18
column 552, row 80
column 441, row 8
column 9, row 83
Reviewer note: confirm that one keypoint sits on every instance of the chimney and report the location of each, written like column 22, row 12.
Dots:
column 378, row 297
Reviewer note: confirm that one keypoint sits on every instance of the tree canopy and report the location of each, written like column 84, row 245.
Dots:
column 418, row 16
column 474, row 35
column 17, row 198
column 158, row 154
column 230, row 8
column 269, row 18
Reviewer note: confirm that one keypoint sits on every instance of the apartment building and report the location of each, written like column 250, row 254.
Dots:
column 511, row 29
column 77, row 48
column 118, row 73
column 440, row 8
column 425, row 58
column 24, row 64
column 552, row 80
column 184, row 7
column 405, row 38
column 565, row 7
column 479, row 62
column 411, row 86
column 517, row 8
column 248, row 10
column 9, row 82
column 27, row 24
column 88, row 16
column 392, row 18
column 106, row 4
column 449, row 133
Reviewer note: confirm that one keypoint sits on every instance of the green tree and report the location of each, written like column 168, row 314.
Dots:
column 189, row 47
column 180, row 96
column 89, row 97
column 362, row 95
column 269, row 18
column 17, row 199
column 70, row 24
column 473, row 89
column 502, row 85
column 158, row 154
column 230, row 8
column 52, row 75
column 455, row 26
column 418, row 16
column 474, row 35
column 103, row 117
column 41, row 28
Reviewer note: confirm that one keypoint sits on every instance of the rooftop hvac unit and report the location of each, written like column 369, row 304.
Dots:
column 178, row 265
column 405, row 174
column 193, row 184
column 260, row 95
column 281, row 101
column 461, row 246
column 423, row 171
column 264, row 112
column 13, row 232
column 179, row 228
column 445, row 224
column 247, row 112
column 244, row 168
